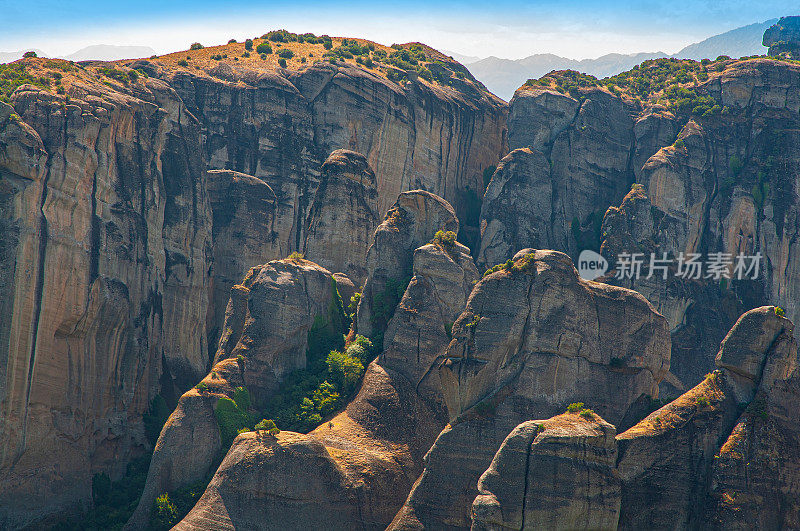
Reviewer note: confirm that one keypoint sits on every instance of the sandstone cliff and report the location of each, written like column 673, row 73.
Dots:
column 719, row 457
column 104, row 285
column 371, row 452
column 122, row 247
column 271, row 317
column 712, row 146
column 533, row 338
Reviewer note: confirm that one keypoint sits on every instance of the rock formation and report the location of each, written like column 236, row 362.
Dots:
column 533, row 338
column 412, row 221
column 270, row 319
column 552, row 474
column 783, row 38
column 343, row 215
column 711, row 182
column 280, row 126
column 684, row 465
column 106, row 239
column 373, row 450
column 719, row 457
column 122, row 248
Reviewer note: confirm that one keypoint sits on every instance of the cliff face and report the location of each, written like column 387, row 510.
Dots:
column 106, row 287
column 532, row 339
column 122, row 247
column 716, row 161
column 280, row 126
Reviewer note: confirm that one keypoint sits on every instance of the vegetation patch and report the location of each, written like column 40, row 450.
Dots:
column 309, row 395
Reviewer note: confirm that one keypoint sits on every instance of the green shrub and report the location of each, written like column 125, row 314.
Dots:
column 248, row 44
column 231, row 41
column 202, row 386
column 587, row 414
column 286, row 53
column 679, row 144
column 29, row 54
column 344, row 370
column 296, row 256
column 780, row 312
column 504, row 266
column 269, row 426
column 575, row 407
column 183, row 62
column 264, row 48
column 282, row 62
column 230, row 418
column 165, row 514
column 702, row 401
column 196, row 46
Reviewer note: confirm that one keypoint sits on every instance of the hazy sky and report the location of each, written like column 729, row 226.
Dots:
column 572, row 28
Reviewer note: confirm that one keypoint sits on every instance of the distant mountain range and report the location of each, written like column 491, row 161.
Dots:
column 504, row 76
column 101, row 52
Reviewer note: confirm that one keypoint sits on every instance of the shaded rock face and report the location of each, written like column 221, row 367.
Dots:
column 243, row 231
column 421, row 327
column 106, row 244
column 571, row 161
column 685, row 464
column 412, row 221
column 783, row 38
column 375, row 447
column 343, row 215
column 552, row 474
column 729, row 185
column 531, row 340
column 270, row 318
column 721, row 456
column 281, row 126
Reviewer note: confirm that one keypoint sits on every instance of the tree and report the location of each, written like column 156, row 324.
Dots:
column 248, row 44
column 29, row 54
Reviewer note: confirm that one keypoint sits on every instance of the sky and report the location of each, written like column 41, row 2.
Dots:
column 577, row 29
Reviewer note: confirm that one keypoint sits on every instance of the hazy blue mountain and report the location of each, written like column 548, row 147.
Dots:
column 736, row 43
column 504, row 76
column 8, row 57
column 110, row 52
column 460, row 57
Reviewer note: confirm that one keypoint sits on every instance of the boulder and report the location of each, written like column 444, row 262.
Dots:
column 552, row 474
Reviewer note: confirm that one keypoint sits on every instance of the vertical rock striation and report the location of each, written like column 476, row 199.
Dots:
column 106, row 206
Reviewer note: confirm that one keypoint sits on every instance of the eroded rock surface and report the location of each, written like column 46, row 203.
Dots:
column 684, row 464
column 106, row 243
column 343, row 215
column 412, row 221
column 533, row 339
column 269, row 320
column 373, row 449
column 552, row 474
